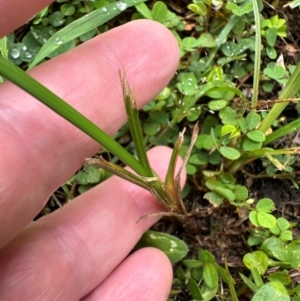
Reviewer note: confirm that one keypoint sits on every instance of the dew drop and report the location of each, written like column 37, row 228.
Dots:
column 121, row 6
column 58, row 41
column 15, row 53
column 24, row 47
column 104, row 9
column 35, row 35
column 28, row 55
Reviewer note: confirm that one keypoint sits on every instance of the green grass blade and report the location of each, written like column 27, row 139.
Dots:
column 3, row 51
column 287, row 129
column 170, row 176
column 30, row 85
column 79, row 27
column 134, row 124
column 4, row 47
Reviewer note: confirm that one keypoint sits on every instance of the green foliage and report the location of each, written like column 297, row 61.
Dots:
column 273, row 237
column 173, row 247
column 202, row 276
column 222, row 44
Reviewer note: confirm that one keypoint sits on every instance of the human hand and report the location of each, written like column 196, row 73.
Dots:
column 77, row 252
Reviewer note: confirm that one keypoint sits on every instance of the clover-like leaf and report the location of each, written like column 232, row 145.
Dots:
column 257, row 259
column 172, row 246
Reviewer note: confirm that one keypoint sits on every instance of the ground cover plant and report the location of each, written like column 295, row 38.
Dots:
column 239, row 79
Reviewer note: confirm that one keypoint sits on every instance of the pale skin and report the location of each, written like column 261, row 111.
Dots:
column 79, row 252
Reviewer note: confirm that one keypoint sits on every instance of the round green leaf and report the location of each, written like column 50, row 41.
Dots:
column 283, row 277
column 271, row 36
column 206, row 40
column 257, row 136
column 283, row 224
column 271, row 52
column 164, row 94
column 275, row 248
column 198, row 8
column 253, row 218
column 187, row 84
column 189, row 42
column 257, row 259
column 89, row 175
column 253, row 119
column 228, row 116
column 151, row 128
column 226, row 178
column 57, row 19
column 216, row 105
column 275, row 230
column 265, row 205
column 286, row 235
column 250, row 145
column 241, row 193
column 173, row 247
column 194, row 113
column 229, row 152
column 68, row 9
column 274, row 71
column 214, row 198
column 294, row 251
column 266, row 220
column 273, row 290
column 190, row 169
column 198, row 159
column 226, row 193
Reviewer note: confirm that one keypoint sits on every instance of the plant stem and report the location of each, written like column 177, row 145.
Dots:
column 257, row 60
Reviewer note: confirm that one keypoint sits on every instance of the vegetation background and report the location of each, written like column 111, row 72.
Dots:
column 238, row 77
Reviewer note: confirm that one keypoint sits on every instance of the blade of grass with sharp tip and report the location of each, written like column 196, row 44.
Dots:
column 134, row 124
column 285, row 130
column 30, row 85
column 170, row 176
column 82, row 25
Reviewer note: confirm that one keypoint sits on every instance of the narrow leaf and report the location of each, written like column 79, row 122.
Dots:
column 135, row 125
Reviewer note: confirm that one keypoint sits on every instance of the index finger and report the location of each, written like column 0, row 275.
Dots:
column 15, row 13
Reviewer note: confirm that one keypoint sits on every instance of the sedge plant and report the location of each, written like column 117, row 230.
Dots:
column 167, row 192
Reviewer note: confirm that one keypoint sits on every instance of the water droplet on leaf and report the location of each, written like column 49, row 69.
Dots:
column 58, row 41
column 15, row 53
column 121, row 6
column 28, row 55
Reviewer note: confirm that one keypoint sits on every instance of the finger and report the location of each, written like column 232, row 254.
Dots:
column 42, row 150
column 71, row 251
column 15, row 13
column 145, row 275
